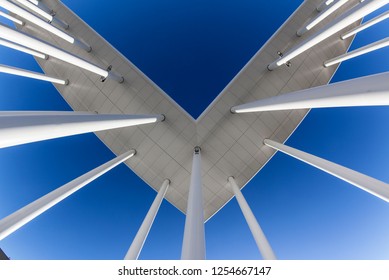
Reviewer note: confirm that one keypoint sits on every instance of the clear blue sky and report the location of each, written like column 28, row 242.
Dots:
column 305, row 213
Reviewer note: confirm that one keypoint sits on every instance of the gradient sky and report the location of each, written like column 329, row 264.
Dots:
column 192, row 49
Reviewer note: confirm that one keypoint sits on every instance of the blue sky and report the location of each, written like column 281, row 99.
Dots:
column 305, row 213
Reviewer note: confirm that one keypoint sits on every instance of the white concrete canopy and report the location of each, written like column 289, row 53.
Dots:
column 165, row 150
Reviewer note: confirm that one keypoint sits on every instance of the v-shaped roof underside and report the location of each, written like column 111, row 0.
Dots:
column 232, row 144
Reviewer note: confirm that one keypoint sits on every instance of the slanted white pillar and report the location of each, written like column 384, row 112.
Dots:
column 324, row 5
column 43, row 24
column 35, row 44
column 30, row 74
column 259, row 237
column 24, row 215
column 22, row 49
column 11, row 18
column 140, row 238
column 366, row 91
column 22, row 127
column 320, row 17
column 365, row 25
column 46, row 15
column 363, row 50
column 366, row 183
column 352, row 15
column 193, row 246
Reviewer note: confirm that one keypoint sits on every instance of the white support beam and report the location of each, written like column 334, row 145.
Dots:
column 366, row 91
column 23, row 49
column 30, row 74
column 363, row 50
column 259, row 237
column 43, row 24
column 49, row 17
column 320, row 17
column 365, row 25
column 24, row 215
column 193, row 246
column 366, row 183
column 352, row 15
column 140, row 238
column 35, row 44
column 323, row 5
column 11, row 18
column 21, row 128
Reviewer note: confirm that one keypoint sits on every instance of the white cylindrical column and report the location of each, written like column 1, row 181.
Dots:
column 22, row 128
column 365, row 25
column 11, row 18
column 313, row 22
column 366, row 183
column 44, row 14
column 259, row 237
column 35, row 44
column 43, row 24
column 324, row 5
column 21, row 217
column 352, row 15
column 366, row 91
column 140, row 238
column 30, row 74
column 193, row 246
column 22, row 49
column 366, row 49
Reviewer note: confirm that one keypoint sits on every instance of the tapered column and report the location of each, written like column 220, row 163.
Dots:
column 259, row 237
column 30, row 74
column 352, row 15
column 324, row 5
column 139, row 240
column 312, row 23
column 48, row 16
column 41, row 23
column 11, row 18
column 21, row 217
column 193, row 247
column 366, row 91
column 365, row 25
column 20, row 128
column 366, row 49
column 366, row 183
column 22, row 49
column 35, row 44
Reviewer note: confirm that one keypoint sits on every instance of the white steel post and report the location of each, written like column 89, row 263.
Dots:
column 363, row 50
column 22, row 49
column 30, row 74
column 35, row 44
column 312, row 23
column 193, row 246
column 49, row 17
column 26, row 127
column 21, row 217
column 259, row 237
column 366, row 183
column 43, row 24
column 365, row 25
column 366, row 91
column 11, row 18
column 352, row 15
column 140, row 238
